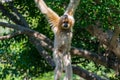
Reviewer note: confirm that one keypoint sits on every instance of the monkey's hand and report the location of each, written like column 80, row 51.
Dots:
column 72, row 7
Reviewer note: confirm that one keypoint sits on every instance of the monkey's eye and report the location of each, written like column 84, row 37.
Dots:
column 65, row 22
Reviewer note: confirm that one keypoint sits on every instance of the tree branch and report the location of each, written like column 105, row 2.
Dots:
column 27, row 31
column 95, row 57
column 30, row 33
column 47, row 44
column 11, row 16
column 76, row 70
column 114, row 42
column 85, row 74
column 105, row 38
column 10, row 35
column 38, row 44
column 21, row 18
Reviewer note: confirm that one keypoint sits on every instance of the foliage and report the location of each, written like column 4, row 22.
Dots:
column 20, row 60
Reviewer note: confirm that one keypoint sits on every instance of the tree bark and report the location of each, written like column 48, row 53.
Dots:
column 110, row 40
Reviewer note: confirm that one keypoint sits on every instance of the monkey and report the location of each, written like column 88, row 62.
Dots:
column 62, row 28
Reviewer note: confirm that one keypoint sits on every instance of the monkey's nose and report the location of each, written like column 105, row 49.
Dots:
column 65, row 25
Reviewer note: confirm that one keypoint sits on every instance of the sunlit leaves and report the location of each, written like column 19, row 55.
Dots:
column 106, row 11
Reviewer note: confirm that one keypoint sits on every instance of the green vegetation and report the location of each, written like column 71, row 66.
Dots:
column 19, row 59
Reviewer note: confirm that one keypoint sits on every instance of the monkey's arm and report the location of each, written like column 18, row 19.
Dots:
column 52, row 17
column 72, row 7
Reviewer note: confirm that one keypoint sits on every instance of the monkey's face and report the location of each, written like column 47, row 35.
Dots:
column 66, row 22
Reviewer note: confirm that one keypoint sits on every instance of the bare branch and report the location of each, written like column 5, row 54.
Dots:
column 15, row 16
column 27, row 31
column 10, row 35
column 85, row 74
column 43, row 52
column 95, row 57
column 9, row 15
column 41, row 40
column 17, row 27
column 21, row 18
column 47, row 44
column 105, row 38
column 22, row 29
column 114, row 42
column 76, row 70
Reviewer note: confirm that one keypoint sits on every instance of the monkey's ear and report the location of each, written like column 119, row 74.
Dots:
column 72, row 7
column 52, row 17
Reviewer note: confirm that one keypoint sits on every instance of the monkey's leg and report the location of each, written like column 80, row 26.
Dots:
column 59, row 65
column 67, row 67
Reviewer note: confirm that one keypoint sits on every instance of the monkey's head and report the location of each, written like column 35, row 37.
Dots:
column 66, row 22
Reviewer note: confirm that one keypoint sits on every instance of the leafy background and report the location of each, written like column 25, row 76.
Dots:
column 20, row 60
